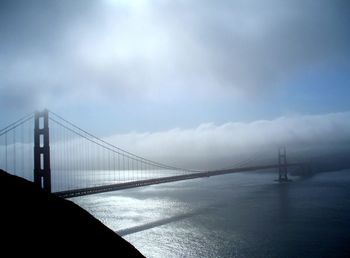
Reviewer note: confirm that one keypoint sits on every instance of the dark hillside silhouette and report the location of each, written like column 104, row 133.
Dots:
column 37, row 223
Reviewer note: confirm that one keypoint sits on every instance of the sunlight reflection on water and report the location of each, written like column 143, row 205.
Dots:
column 238, row 215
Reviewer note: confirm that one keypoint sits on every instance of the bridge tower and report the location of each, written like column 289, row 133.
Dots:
column 282, row 164
column 42, row 169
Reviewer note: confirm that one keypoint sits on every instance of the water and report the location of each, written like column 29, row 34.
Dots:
column 237, row 215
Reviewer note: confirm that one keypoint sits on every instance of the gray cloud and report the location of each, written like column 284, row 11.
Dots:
column 256, row 45
column 212, row 146
column 88, row 50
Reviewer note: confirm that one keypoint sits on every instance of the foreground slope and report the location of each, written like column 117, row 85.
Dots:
column 35, row 222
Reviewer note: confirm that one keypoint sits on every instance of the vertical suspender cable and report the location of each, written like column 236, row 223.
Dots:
column 14, row 151
column 6, row 152
column 22, row 150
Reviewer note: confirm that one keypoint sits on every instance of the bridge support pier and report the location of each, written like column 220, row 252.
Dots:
column 282, row 165
column 42, row 169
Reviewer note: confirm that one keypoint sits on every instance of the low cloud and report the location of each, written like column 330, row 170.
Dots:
column 212, row 146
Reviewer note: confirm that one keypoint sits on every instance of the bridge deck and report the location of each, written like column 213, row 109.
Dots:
column 133, row 184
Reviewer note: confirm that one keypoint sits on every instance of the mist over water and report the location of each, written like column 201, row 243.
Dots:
column 237, row 215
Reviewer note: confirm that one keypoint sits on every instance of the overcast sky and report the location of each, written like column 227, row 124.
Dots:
column 119, row 67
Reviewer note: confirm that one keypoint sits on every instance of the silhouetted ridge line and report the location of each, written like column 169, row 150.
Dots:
column 41, row 224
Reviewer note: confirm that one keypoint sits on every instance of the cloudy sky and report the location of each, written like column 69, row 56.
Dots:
column 165, row 71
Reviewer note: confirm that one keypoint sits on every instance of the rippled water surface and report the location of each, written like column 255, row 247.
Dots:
column 237, row 215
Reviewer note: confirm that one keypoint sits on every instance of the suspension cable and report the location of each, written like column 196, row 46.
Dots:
column 129, row 154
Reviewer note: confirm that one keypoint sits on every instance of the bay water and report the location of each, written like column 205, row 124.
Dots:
column 235, row 215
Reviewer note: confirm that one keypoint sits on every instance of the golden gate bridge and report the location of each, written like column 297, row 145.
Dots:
column 62, row 158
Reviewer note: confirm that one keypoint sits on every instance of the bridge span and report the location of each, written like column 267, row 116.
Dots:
column 122, row 186
column 64, row 159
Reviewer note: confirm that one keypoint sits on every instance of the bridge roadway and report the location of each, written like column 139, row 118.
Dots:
column 153, row 181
